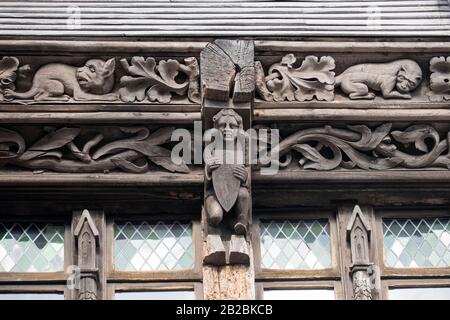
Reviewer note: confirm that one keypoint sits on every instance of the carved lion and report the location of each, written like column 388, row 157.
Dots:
column 57, row 81
column 394, row 79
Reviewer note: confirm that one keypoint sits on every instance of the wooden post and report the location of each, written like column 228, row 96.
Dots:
column 89, row 258
column 228, row 80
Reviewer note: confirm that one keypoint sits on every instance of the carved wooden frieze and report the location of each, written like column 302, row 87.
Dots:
column 314, row 78
column 440, row 79
column 361, row 147
column 97, row 80
column 88, row 149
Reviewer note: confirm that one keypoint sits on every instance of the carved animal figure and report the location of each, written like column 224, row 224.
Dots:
column 395, row 79
column 57, row 81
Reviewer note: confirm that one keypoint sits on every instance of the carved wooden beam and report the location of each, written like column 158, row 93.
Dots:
column 228, row 82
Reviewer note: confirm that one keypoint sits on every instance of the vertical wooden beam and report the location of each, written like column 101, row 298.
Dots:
column 357, row 268
column 89, row 237
column 227, row 78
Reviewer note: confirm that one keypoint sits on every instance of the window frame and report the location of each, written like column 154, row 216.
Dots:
column 157, row 280
column 412, row 283
column 267, row 274
column 334, row 285
column 196, row 287
column 40, row 282
column 406, row 213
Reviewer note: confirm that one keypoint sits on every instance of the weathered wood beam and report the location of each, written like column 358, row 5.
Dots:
column 351, row 46
column 227, row 76
column 100, row 117
column 143, row 47
column 101, row 180
column 391, row 115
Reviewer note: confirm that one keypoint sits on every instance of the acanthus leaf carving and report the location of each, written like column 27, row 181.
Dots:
column 104, row 149
column 313, row 79
column 328, row 148
column 158, row 82
column 439, row 79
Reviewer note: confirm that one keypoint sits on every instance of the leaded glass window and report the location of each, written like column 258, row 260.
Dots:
column 32, row 247
column 412, row 243
column 144, row 246
column 295, row 244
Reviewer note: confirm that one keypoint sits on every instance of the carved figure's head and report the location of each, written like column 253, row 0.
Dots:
column 408, row 77
column 97, row 76
column 229, row 123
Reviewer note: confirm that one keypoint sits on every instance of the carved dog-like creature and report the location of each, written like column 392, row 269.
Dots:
column 57, row 81
column 394, row 79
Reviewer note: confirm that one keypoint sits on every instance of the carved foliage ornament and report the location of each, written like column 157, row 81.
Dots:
column 9, row 70
column 358, row 146
column 95, row 81
column 313, row 79
column 157, row 82
column 84, row 150
column 440, row 79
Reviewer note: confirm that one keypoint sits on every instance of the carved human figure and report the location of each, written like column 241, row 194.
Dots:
column 230, row 125
column 394, row 79
column 58, row 81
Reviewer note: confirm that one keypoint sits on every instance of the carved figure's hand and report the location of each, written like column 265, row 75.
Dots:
column 240, row 172
column 213, row 164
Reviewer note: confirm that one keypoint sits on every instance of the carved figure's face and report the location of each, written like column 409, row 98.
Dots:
column 408, row 78
column 228, row 126
column 96, row 76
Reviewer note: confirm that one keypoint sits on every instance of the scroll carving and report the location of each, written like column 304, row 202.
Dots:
column 87, row 236
column 313, row 79
column 90, row 150
column 145, row 80
column 396, row 79
column 358, row 146
column 358, row 234
column 440, row 79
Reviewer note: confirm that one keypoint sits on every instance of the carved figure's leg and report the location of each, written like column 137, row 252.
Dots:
column 356, row 90
column 214, row 211
column 242, row 211
column 84, row 96
column 51, row 90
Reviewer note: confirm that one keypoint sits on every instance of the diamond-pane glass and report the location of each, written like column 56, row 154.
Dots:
column 295, row 244
column 412, row 243
column 33, row 247
column 145, row 247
